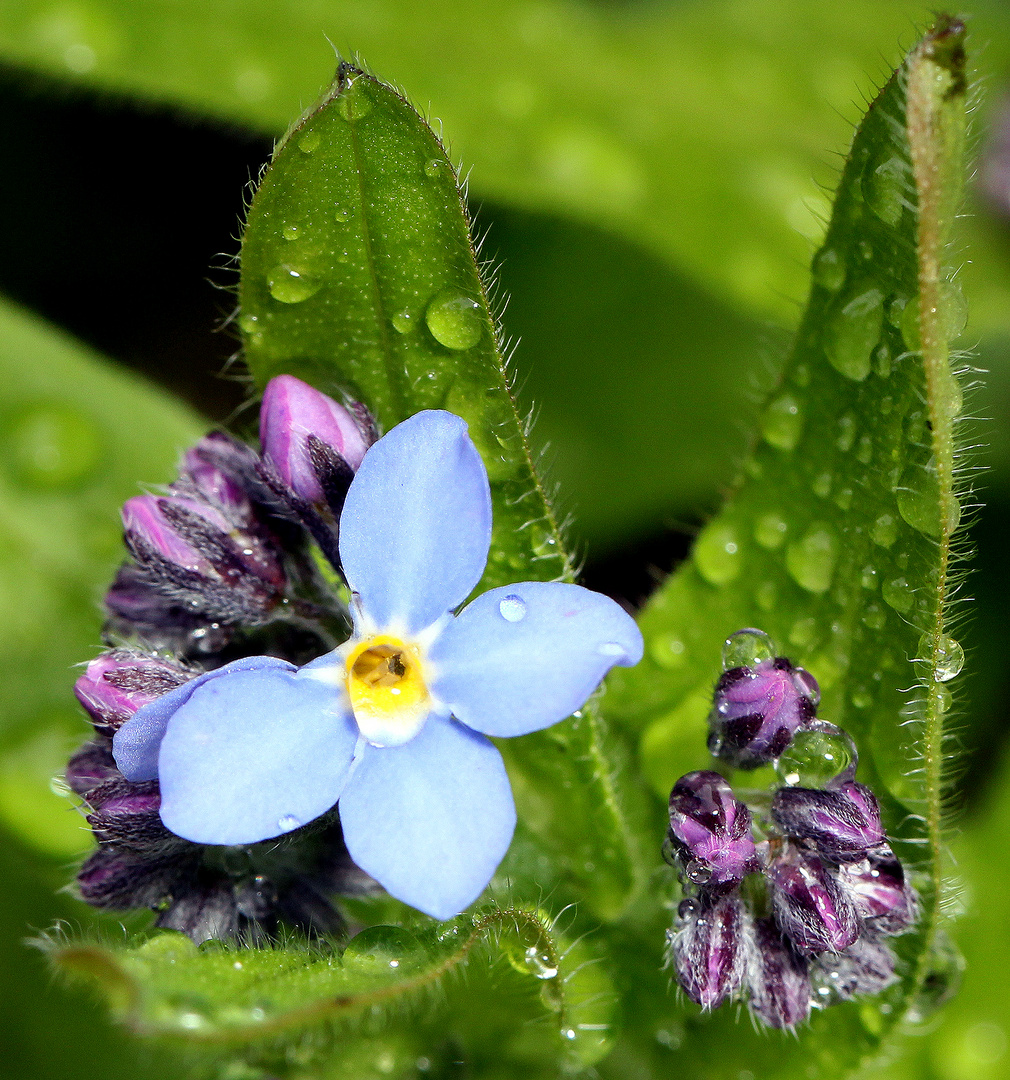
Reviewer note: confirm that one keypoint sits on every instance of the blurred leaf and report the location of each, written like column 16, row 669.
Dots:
column 698, row 129
column 358, row 275
column 76, row 437
column 838, row 539
column 547, row 1006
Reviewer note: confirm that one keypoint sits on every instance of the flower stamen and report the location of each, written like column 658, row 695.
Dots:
column 387, row 689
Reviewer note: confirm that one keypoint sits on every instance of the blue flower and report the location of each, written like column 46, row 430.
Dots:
column 393, row 724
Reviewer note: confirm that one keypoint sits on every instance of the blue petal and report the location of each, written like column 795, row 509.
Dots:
column 432, row 819
column 416, row 524
column 254, row 755
column 525, row 656
column 136, row 744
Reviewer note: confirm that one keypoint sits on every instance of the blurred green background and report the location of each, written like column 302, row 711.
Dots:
column 650, row 179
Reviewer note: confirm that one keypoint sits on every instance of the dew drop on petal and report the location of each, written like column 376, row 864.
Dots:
column 512, row 608
column 288, row 822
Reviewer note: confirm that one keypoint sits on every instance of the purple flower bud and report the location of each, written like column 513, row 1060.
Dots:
column 115, row 878
column 314, row 443
column 202, row 474
column 118, row 683
column 91, row 766
column 145, row 524
column 710, row 949
column 810, row 907
column 843, row 820
column 879, row 890
column 777, row 979
column 127, row 814
column 865, row 967
column 758, row 710
column 711, row 830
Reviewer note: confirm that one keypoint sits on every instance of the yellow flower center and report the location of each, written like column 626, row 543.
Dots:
column 388, row 694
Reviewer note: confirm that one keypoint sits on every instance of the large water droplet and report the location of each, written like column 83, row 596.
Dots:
column 811, row 559
column 885, row 189
column 290, row 232
column 402, row 322
column 717, row 554
column 512, row 608
column 884, row 531
column 53, row 446
column 454, row 320
column 540, row 962
column 746, row 648
column 289, row 822
column 309, row 141
column 815, row 757
column 920, row 504
column 435, row 167
column 291, row 285
column 846, row 433
column 898, row 594
column 379, row 948
column 948, row 656
column 852, row 331
column 829, row 269
column 770, row 531
column 782, row 423
column 354, row 101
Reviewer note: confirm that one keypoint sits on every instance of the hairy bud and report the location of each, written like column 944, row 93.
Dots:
column 843, row 821
column 879, row 890
column 118, row 683
column 809, row 905
column 777, row 979
column 710, row 948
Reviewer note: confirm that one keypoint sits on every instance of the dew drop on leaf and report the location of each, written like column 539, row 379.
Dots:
column 668, row 651
column 290, row 285
column 873, row 617
column 746, row 648
column 919, row 501
column 852, row 331
column 811, row 559
column 290, row 232
column 402, row 322
column 884, row 531
column 782, row 424
column 948, row 656
column 354, row 102
column 717, row 554
column 898, row 594
column 454, row 320
column 885, row 189
column 770, row 531
column 864, row 452
column 434, row 167
column 309, row 141
column 829, row 270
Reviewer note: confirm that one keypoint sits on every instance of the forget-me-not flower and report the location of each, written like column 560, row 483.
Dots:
column 393, row 724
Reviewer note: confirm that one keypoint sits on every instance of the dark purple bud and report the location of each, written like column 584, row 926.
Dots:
column 843, row 821
column 116, row 878
column 127, row 814
column 314, row 443
column 809, row 905
column 710, row 829
column 865, row 967
column 758, row 709
column 710, row 948
column 91, row 766
column 147, row 529
column 203, row 475
column 777, row 979
column 879, row 890
column 118, row 683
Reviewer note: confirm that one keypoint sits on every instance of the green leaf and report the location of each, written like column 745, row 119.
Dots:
column 503, row 987
column 77, row 437
column 359, row 276
column 838, row 539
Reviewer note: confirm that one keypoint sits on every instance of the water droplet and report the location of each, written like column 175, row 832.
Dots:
column 354, row 102
column 811, row 559
column 843, row 498
column 948, row 656
column 375, row 948
column 540, row 963
column 882, row 360
column 885, row 188
column 770, row 531
column 944, row 699
column 803, row 633
column 402, row 322
column 288, row 822
column 884, row 531
column 864, row 451
column 668, row 651
column 766, row 595
column 717, row 554
column 829, row 269
column 861, row 698
column 611, row 648
column 846, row 433
column 782, row 424
column 815, row 757
column 309, row 141
column 435, row 167
column 53, row 446
column 698, row 872
column 920, row 504
column 822, row 485
column 247, row 322
column 290, row 232
column 342, row 213
column 454, row 320
column 868, row 577
column 512, row 608
column 873, row 617
column 898, row 594
column 291, row 285
column 851, row 333
column 746, row 648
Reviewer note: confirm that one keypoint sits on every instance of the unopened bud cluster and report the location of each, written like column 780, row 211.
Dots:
column 224, row 563
column 800, row 916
